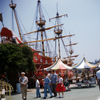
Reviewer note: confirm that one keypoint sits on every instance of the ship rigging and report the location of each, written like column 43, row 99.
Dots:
column 40, row 43
column 44, row 55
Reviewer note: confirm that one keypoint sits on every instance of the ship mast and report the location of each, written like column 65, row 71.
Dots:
column 58, row 30
column 40, row 22
column 71, row 51
column 13, row 6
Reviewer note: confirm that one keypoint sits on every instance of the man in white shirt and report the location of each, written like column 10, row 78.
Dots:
column 49, row 75
column 23, row 85
column 37, row 88
column 98, row 77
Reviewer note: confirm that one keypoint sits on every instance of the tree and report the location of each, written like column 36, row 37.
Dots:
column 15, row 58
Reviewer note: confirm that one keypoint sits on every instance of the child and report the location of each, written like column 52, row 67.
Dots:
column 60, row 87
column 37, row 88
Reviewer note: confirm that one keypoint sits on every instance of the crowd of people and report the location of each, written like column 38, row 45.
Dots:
column 5, row 39
column 53, row 82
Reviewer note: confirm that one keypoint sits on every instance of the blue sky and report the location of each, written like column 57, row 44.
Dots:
column 83, row 21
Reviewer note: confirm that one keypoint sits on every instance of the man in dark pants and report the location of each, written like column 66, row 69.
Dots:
column 54, row 80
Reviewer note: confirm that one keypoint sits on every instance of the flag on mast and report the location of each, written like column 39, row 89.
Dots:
column 1, row 19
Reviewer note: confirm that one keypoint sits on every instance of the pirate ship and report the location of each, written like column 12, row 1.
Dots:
column 43, row 55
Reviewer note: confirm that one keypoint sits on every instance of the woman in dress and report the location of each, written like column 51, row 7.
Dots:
column 60, row 87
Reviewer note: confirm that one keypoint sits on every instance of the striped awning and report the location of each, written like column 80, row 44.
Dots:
column 84, row 64
column 58, row 65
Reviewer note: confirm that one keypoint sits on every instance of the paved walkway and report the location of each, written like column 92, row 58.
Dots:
column 84, row 93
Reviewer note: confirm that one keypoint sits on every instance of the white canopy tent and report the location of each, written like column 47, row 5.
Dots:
column 58, row 65
column 84, row 64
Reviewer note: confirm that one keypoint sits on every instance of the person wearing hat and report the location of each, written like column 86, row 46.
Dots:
column 23, row 85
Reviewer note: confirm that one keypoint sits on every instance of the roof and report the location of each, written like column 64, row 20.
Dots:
column 58, row 65
column 84, row 64
column 9, row 33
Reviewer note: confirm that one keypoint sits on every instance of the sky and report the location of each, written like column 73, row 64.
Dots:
column 83, row 20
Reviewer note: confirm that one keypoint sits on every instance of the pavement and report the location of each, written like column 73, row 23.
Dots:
column 84, row 93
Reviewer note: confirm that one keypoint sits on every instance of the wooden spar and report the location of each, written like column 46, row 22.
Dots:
column 66, row 59
column 72, row 59
column 30, row 32
column 53, row 26
column 72, row 44
column 36, row 51
column 71, row 56
column 75, row 56
column 30, row 44
column 58, row 16
column 50, row 39
column 13, row 6
column 40, row 52
column 43, row 29
column 59, row 48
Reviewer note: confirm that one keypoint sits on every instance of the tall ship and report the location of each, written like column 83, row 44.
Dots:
column 39, row 42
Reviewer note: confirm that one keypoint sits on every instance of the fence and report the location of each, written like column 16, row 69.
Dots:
column 5, row 90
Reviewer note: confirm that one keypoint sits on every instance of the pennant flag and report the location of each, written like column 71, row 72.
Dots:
column 1, row 19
